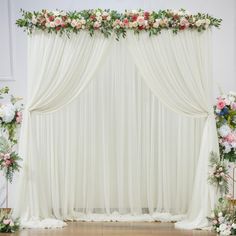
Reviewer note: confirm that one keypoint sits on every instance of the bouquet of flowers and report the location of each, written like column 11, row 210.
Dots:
column 8, row 159
column 223, row 218
column 225, row 112
column 10, row 115
column 218, row 174
column 8, row 225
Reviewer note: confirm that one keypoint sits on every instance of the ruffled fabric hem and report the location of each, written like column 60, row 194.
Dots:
column 114, row 217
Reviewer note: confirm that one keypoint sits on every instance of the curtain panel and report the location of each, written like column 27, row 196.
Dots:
column 98, row 141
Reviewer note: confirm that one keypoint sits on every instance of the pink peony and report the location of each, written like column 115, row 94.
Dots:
column 184, row 22
column 220, row 104
column 6, row 221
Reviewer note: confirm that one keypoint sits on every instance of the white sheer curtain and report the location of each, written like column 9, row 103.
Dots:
column 114, row 152
column 178, row 71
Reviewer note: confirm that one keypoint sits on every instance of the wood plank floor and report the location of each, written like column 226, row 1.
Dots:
column 113, row 228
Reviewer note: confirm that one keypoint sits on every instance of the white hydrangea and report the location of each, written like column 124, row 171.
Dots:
column 223, row 227
column 7, row 112
column 224, row 130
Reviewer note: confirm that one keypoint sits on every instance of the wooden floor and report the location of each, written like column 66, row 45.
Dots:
column 113, row 228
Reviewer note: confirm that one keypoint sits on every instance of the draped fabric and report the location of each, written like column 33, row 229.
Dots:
column 178, row 71
column 109, row 149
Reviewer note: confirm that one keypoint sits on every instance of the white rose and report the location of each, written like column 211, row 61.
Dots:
column 52, row 24
column 73, row 23
column 220, row 214
column 83, row 27
column 105, row 13
column 98, row 13
column 34, row 20
column 156, row 25
column 208, row 21
column 47, row 24
column 213, row 215
column 63, row 13
column 198, row 23
column 227, row 101
column 134, row 12
column 109, row 18
column 99, row 18
column 135, row 24
column 56, row 13
column 83, row 21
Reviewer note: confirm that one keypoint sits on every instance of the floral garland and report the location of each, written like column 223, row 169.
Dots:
column 225, row 112
column 110, row 21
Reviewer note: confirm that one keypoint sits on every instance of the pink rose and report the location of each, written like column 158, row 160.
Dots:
column 140, row 20
column 7, row 162
column 18, row 120
column 230, row 138
column 57, row 21
column 96, row 25
column 233, row 106
column 220, row 104
column 6, row 221
column 19, row 114
column 184, row 22
column 215, row 222
column 7, row 156
column 126, row 22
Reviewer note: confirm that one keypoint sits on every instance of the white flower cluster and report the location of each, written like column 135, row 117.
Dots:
column 7, row 112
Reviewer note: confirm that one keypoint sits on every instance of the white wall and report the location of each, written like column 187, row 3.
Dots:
column 13, row 41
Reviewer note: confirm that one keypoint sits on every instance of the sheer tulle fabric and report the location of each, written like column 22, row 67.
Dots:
column 112, row 151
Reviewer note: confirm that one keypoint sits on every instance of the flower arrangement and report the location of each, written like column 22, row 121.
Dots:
column 223, row 218
column 110, row 21
column 218, row 174
column 7, row 224
column 225, row 112
column 10, row 115
column 10, row 120
column 8, row 159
